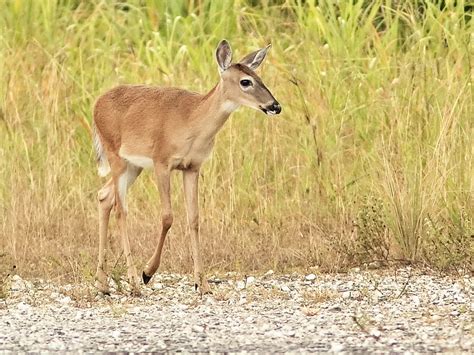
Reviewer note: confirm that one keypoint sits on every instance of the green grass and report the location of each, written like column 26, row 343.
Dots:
column 372, row 157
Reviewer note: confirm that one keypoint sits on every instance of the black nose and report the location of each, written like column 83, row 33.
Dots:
column 275, row 107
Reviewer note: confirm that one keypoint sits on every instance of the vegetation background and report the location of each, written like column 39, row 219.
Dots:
column 371, row 159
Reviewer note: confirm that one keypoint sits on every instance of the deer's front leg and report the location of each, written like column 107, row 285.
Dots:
column 163, row 182
column 123, row 183
column 190, row 180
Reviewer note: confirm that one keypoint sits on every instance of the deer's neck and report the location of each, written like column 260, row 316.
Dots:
column 213, row 111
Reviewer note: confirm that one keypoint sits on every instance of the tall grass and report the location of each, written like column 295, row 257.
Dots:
column 371, row 159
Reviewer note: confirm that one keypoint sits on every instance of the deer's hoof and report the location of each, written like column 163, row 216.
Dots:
column 204, row 289
column 102, row 288
column 146, row 278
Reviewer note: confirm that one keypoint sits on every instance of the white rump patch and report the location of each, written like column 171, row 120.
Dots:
column 137, row 160
column 229, row 106
column 102, row 162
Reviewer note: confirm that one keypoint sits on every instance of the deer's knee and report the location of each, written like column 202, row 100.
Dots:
column 167, row 221
column 106, row 197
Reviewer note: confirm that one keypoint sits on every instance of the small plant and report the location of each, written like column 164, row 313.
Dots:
column 372, row 234
column 447, row 243
column 318, row 296
column 6, row 273
column 117, row 274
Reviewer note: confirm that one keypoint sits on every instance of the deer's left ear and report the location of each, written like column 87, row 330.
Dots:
column 253, row 60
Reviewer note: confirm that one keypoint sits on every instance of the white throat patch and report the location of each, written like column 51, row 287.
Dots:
column 229, row 106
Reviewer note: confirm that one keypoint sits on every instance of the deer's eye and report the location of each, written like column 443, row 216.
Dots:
column 245, row 83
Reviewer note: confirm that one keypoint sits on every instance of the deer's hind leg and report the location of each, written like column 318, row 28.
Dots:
column 106, row 197
column 190, row 180
column 114, row 194
column 125, row 175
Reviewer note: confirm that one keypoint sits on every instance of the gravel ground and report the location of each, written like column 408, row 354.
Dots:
column 392, row 310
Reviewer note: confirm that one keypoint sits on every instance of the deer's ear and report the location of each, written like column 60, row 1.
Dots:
column 223, row 55
column 253, row 60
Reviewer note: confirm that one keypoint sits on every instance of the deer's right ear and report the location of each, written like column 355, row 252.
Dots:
column 223, row 55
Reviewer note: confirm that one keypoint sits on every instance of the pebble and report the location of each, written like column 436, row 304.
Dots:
column 65, row 300
column 337, row 347
column 375, row 333
column 310, row 277
column 198, row 329
column 157, row 286
column 23, row 307
column 416, row 301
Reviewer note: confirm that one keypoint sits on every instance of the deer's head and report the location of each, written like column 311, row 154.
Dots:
column 241, row 84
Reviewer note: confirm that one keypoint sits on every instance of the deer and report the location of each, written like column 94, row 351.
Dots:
column 138, row 127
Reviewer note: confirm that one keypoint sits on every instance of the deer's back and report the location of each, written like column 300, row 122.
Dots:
column 142, row 115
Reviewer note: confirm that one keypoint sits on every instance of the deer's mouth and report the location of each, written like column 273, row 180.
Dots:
column 267, row 112
column 271, row 110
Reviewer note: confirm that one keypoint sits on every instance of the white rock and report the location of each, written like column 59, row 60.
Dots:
column 416, row 301
column 346, row 295
column 210, row 301
column 269, row 273
column 310, row 277
column 240, row 285
column 391, row 341
column 275, row 334
column 115, row 334
column 375, row 333
column 57, row 345
column 65, row 300
column 23, row 307
column 250, row 280
column 134, row 310
column 374, row 265
column 78, row 316
column 157, row 286
column 197, row 328
column 285, row 288
column 337, row 347
column 19, row 285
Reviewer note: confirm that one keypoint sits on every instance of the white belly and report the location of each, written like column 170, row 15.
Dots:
column 137, row 160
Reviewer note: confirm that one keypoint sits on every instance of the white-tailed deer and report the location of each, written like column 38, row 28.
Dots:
column 138, row 127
